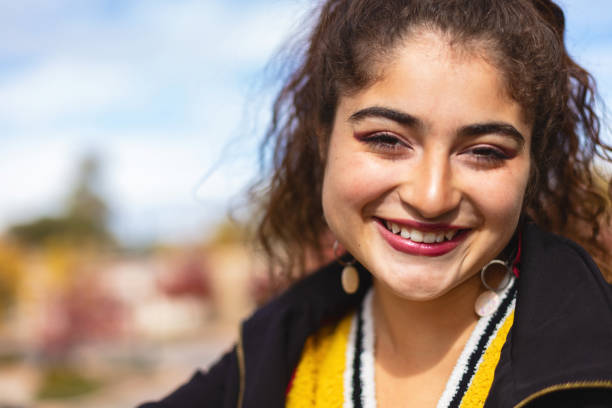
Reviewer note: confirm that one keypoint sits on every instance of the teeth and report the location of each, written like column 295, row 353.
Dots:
column 420, row 236
column 429, row 237
column 416, row 235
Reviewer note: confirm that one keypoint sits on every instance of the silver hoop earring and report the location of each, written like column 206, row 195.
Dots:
column 349, row 277
column 489, row 301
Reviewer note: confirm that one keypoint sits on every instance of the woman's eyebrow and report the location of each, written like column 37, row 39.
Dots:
column 499, row 128
column 407, row 119
column 387, row 113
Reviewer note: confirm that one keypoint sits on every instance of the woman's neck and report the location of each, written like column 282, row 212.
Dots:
column 424, row 332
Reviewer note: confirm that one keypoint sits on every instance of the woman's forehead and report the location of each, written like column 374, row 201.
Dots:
column 426, row 76
column 474, row 57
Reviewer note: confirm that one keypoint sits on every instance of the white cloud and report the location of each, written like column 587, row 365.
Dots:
column 80, row 67
column 214, row 31
column 154, row 171
column 155, row 186
column 35, row 176
column 63, row 87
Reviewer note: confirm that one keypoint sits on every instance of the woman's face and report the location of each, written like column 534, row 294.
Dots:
column 427, row 168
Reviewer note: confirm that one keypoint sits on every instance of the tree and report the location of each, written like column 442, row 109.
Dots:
column 85, row 217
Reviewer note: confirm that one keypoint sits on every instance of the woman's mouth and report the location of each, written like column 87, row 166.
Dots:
column 416, row 235
column 421, row 239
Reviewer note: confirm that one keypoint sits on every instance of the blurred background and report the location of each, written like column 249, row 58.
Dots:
column 128, row 130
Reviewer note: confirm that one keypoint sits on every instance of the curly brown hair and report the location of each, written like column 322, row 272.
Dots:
column 524, row 39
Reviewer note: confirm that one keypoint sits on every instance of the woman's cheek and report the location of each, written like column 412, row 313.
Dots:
column 501, row 197
column 365, row 180
column 349, row 185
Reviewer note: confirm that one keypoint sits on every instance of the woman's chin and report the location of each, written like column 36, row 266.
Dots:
column 415, row 288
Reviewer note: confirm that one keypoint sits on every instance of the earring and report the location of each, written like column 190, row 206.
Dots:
column 489, row 301
column 349, row 277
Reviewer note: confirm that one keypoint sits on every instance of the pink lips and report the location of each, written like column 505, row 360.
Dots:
column 420, row 248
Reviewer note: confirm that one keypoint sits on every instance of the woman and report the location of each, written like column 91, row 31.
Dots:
column 440, row 143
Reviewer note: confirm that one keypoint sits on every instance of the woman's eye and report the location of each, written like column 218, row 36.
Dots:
column 385, row 142
column 489, row 154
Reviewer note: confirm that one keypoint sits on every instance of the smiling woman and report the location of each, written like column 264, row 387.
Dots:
column 432, row 147
column 442, row 144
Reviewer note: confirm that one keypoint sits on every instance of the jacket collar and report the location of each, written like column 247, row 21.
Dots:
column 273, row 338
column 562, row 334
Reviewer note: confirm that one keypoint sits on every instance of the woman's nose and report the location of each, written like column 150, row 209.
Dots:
column 430, row 189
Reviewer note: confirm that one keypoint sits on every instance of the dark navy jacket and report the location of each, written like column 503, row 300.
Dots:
column 558, row 352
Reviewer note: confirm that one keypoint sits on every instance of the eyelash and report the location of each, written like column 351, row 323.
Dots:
column 389, row 143
column 489, row 154
column 386, row 142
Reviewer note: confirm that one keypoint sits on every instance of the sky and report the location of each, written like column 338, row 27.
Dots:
column 172, row 96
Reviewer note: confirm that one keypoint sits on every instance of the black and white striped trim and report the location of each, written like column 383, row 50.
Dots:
column 359, row 382
column 471, row 356
column 359, row 385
